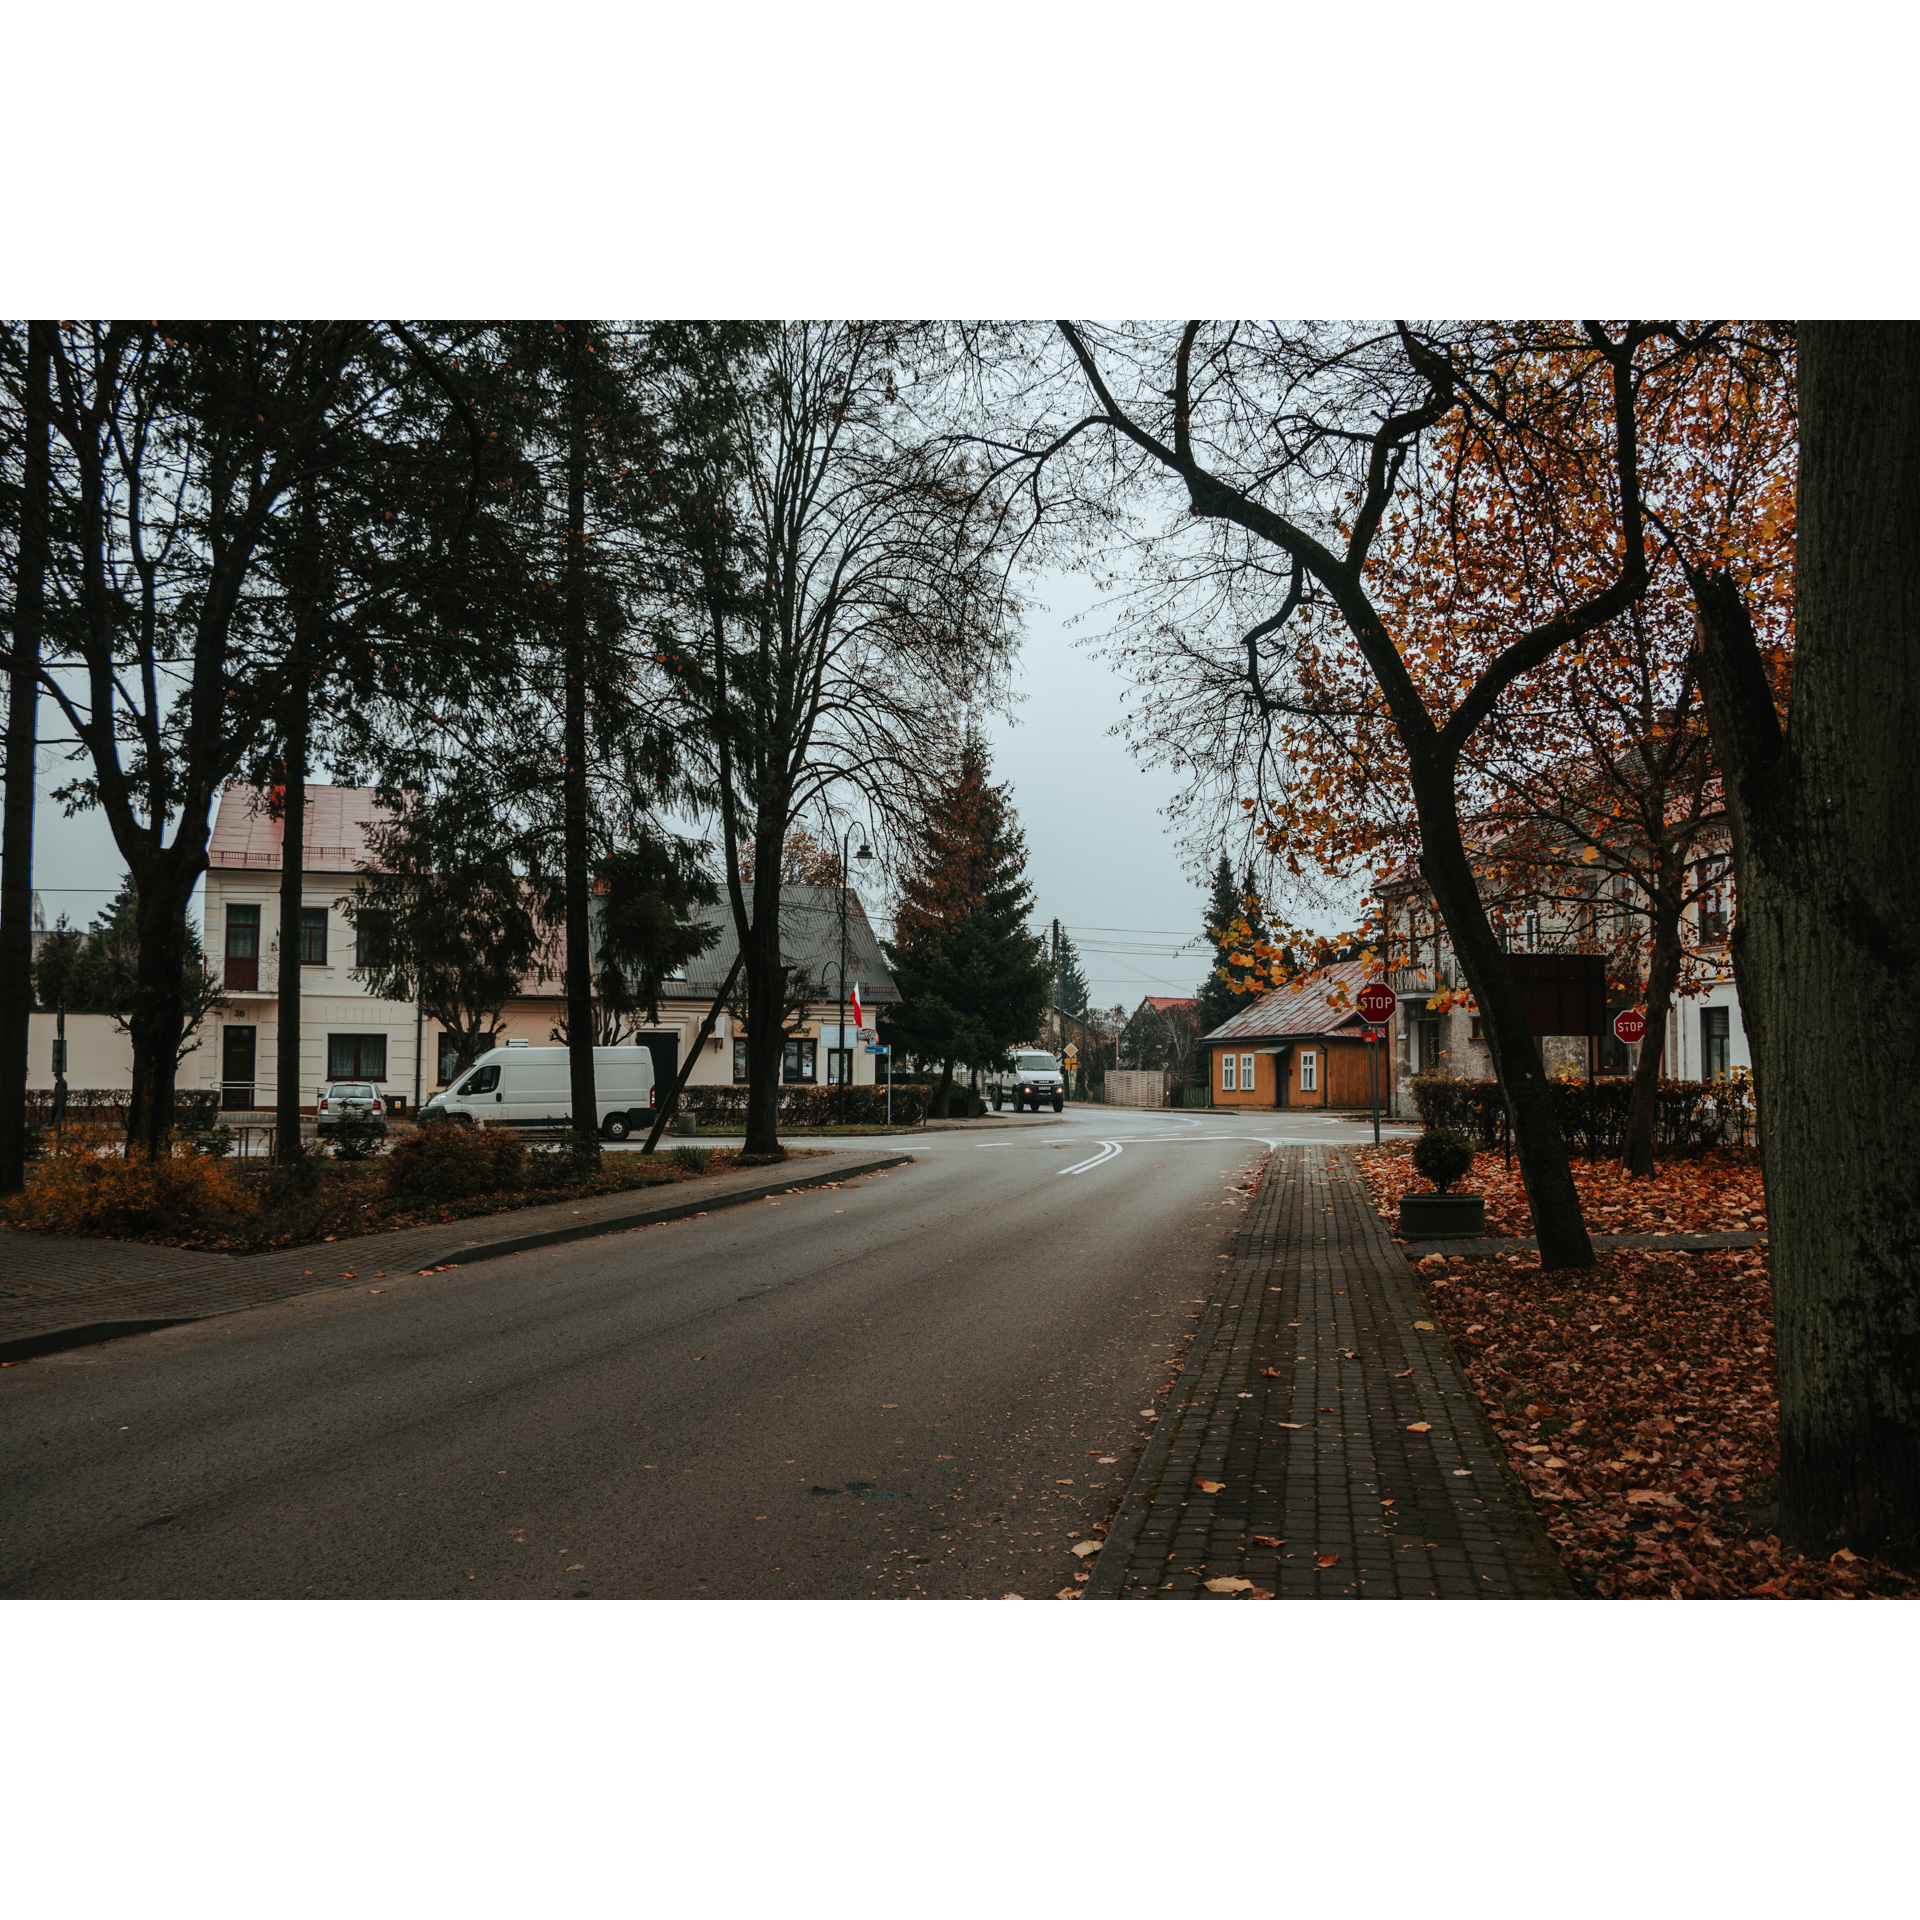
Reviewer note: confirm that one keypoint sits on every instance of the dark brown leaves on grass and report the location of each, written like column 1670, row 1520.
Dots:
column 1637, row 1402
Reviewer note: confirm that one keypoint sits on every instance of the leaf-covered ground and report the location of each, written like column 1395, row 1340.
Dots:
column 1637, row 1403
column 1716, row 1192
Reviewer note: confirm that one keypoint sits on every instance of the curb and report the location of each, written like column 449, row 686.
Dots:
column 1488, row 1245
column 648, row 1216
column 92, row 1333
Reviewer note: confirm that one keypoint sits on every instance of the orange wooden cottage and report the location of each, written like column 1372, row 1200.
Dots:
column 1297, row 1047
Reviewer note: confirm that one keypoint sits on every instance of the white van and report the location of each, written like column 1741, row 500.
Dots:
column 529, row 1086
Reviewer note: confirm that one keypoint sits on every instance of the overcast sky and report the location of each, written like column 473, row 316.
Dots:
column 1100, row 857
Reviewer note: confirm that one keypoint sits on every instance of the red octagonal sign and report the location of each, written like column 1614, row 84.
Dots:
column 1630, row 1026
column 1377, row 1002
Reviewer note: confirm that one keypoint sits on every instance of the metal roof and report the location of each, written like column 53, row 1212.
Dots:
column 809, row 938
column 333, row 837
column 1313, row 1006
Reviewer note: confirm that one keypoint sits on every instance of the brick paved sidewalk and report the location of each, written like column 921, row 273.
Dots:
column 1311, row 1365
column 60, row 1290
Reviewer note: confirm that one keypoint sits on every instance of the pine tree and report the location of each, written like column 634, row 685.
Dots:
column 1218, row 1002
column 1071, row 993
column 972, row 978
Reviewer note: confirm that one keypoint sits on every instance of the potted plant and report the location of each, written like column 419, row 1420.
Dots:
column 1442, row 1156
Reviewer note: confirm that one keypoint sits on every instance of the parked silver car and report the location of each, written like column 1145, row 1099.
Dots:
column 349, row 1100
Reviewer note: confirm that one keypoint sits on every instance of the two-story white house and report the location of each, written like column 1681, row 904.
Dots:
column 348, row 1033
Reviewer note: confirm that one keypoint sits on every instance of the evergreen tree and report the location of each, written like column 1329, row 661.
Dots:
column 1069, row 983
column 973, row 979
column 1218, row 1001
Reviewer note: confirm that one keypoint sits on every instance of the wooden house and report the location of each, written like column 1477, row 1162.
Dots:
column 1299, row 1046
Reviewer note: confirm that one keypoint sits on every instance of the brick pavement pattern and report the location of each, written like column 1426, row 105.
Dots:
column 54, row 1283
column 1335, row 1419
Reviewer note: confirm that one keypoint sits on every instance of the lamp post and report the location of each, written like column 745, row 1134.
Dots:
column 846, row 1052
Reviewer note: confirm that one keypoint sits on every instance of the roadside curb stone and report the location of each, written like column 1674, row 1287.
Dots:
column 63, row 1291
column 1313, row 1366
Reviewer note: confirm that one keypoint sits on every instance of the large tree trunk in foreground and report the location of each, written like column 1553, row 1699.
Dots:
column 1826, row 944
column 163, row 884
column 766, row 1004
column 23, row 701
column 286, row 1098
column 1542, row 1154
column 578, row 880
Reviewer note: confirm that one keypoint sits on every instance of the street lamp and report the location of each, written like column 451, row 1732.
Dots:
column 865, row 857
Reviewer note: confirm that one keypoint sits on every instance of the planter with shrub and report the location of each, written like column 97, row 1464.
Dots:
column 1442, row 1156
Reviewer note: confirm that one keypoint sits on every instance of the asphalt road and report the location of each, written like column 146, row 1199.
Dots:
column 925, row 1382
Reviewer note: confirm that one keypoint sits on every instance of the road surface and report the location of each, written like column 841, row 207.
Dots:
column 928, row 1382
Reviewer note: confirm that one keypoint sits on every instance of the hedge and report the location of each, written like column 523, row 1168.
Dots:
column 1593, row 1114
column 813, row 1106
column 194, row 1108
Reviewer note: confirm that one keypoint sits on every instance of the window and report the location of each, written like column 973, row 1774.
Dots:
column 356, row 1056
column 370, row 940
column 313, row 937
column 1430, row 1044
column 1473, row 1033
column 1530, row 936
column 1716, row 1043
column 839, row 1066
column 449, row 1061
column 1246, row 1073
column 796, row 1066
column 1309, row 1073
column 1228, row 1063
column 481, row 1080
column 243, row 947
column 739, row 1063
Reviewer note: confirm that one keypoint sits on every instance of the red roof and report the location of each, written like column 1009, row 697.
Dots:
column 1161, row 1004
column 1317, row 1004
column 334, row 839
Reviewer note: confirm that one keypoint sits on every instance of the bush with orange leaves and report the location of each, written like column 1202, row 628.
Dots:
column 86, row 1183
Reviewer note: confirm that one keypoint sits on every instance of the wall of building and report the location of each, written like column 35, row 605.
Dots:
column 99, row 1055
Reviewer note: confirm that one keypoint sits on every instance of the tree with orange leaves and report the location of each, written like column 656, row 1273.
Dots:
column 1284, row 450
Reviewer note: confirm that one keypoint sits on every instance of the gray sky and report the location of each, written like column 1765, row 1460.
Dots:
column 1099, row 854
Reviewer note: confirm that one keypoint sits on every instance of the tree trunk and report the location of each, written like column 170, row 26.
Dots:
column 162, row 886
column 1826, row 943
column 1548, row 1179
column 766, row 1003
column 286, row 1098
column 942, row 1101
column 23, row 701
column 585, row 1107
column 1663, row 974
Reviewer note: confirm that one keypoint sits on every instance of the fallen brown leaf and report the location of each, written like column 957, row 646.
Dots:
column 1268, row 1540
column 1326, row 1560
column 1229, row 1583
column 1084, row 1548
column 1211, row 1486
column 1420, row 1426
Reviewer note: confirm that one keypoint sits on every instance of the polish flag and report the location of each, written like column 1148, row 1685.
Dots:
column 858, row 1020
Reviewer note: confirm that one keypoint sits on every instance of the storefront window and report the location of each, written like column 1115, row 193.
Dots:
column 797, row 1068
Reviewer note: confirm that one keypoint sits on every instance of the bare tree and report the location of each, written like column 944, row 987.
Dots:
column 852, row 605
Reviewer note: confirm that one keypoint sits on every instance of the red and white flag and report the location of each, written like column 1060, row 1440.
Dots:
column 858, row 1021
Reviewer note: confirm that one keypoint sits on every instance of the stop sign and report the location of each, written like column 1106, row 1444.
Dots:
column 1377, row 1002
column 1630, row 1026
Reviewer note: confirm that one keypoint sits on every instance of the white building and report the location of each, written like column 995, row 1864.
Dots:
column 348, row 1033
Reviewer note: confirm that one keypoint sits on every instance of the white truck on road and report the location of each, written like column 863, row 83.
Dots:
column 529, row 1086
column 1035, row 1077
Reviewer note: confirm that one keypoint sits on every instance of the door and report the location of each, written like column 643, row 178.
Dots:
column 236, row 1064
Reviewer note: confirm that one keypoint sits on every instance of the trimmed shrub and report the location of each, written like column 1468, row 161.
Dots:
column 811, row 1106
column 86, row 1184
column 455, row 1163
column 1592, row 1114
column 1442, row 1156
column 357, row 1140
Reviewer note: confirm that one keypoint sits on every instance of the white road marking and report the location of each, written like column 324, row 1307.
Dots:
column 1108, row 1148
